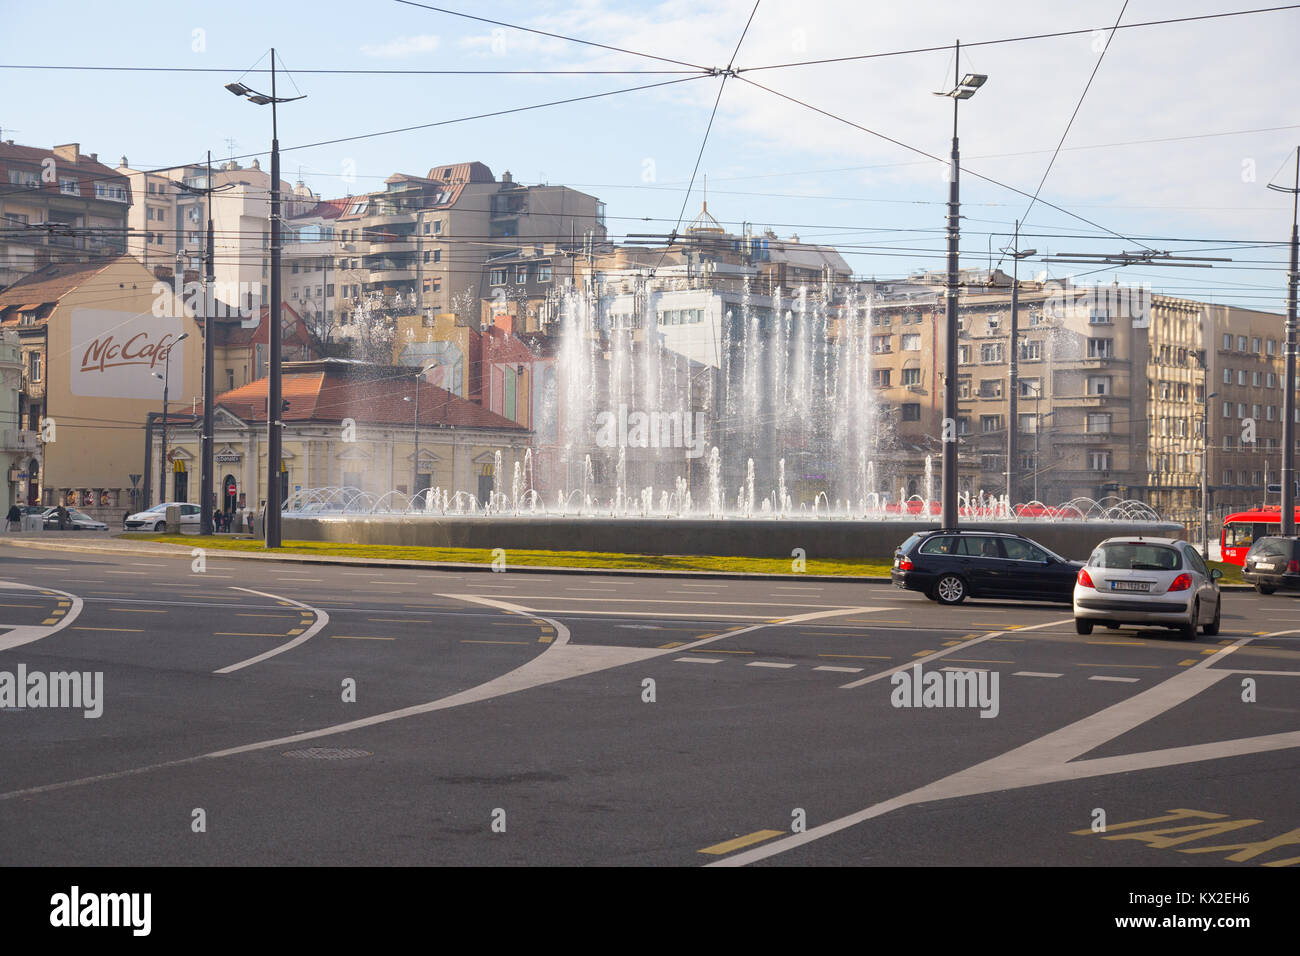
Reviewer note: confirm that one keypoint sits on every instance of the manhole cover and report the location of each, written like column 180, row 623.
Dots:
column 327, row 753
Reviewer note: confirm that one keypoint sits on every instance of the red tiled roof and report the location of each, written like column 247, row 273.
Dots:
column 52, row 282
column 330, row 390
column 233, row 335
column 86, row 170
column 327, row 209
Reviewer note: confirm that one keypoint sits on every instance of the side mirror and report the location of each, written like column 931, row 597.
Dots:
column 1216, row 574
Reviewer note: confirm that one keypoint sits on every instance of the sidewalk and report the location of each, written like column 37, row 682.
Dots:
column 101, row 543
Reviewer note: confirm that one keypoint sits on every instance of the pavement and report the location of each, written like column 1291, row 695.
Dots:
column 281, row 713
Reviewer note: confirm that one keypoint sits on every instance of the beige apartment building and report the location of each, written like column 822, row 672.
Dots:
column 58, row 205
column 98, row 342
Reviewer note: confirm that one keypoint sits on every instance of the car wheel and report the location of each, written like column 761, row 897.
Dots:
column 1212, row 628
column 1083, row 627
column 160, row 527
column 1264, row 589
column 1188, row 631
column 950, row 589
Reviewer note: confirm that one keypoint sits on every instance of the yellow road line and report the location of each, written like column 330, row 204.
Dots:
column 245, row 634
column 296, row 631
column 1187, row 663
column 1152, row 667
column 861, row 657
column 134, row 630
column 494, row 642
column 354, row 637
column 962, row 660
column 671, row 644
column 1119, row 643
column 134, row 610
column 50, row 620
column 758, row 836
column 389, row 620
column 546, row 639
column 922, row 653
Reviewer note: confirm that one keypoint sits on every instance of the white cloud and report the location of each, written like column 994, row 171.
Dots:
column 402, row 46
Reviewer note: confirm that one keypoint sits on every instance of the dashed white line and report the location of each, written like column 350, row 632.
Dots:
column 1034, row 674
column 698, row 660
column 1117, row 680
column 767, row 664
column 838, row 670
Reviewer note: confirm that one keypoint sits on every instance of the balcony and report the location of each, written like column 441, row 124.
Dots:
column 13, row 439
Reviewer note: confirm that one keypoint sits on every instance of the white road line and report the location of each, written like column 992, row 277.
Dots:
column 945, row 652
column 767, row 664
column 27, row 633
column 601, row 600
column 963, row 670
column 838, row 670
column 698, row 660
column 1034, row 674
column 1117, row 680
column 321, row 620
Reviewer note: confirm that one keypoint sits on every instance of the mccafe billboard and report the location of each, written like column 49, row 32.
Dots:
column 113, row 354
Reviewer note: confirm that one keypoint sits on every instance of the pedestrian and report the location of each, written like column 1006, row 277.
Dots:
column 65, row 519
column 218, row 521
column 15, row 517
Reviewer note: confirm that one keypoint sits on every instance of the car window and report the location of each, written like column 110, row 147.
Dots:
column 978, row 546
column 189, row 509
column 1018, row 550
column 1193, row 557
column 940, row 544
column 906, row 546
column 1136, row 556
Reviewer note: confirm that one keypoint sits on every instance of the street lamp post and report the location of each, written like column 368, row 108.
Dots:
column 965, row 88
column 274, row 404
column 1288, row 399
column 415, row 464
column 1205, row 461
column 1013, row 399
column 166, row 380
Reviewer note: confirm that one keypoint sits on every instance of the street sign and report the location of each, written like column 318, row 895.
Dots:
column 1276, row 489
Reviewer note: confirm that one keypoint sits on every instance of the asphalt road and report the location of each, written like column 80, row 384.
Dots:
column 523, row 718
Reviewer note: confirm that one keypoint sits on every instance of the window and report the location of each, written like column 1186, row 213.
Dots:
column 991, row 388
column 1099, row 460
column 69, row 187
column 1241, row 409
column 911, row 411
column 1254, row 411
column 437, row 255
column 963, row 425
column 294, row 270
column 1241, row 343
column 880, row 344
column 544, row 272
column 912, row 342
column 1031, row 351
column 1028, row 424
column 1227, row 342
column 34, row 366
column 1227, row 476
column 497, row 277
column 1227, row 409
column 1099, row 317
column 963, row 389
column 995, row 323
column 1101, row 348
column 963, row 355
column 991, row 352
column 1269, row 412
column 1099, row 385
column 1270, row 347
column 1255, row 379
column 880, row 377
column 1241, row 376
column 1227, row 376
column 1030, row 388
column 990, row 423
column 437, row 227
column 1272, row 380
column 1098, row 423
column 428, row 256
column 1254, row 345
column 521, row 274
column 911, row 376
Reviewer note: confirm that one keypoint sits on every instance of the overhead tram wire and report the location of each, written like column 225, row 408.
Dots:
column 699, row 156
column 553, row 36
column 340, row 72
column 1021, row 39
column 1066, row 132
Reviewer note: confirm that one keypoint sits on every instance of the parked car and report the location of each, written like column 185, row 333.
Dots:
column 1273, row 564
column 1148, row 581
column 950, row 566
column 79, row 520
column 155, row 518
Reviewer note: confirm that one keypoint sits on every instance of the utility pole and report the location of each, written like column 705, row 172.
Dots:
column 1288, row 399
column 1013, row 400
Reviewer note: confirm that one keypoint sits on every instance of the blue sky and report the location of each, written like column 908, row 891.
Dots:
column 1180, row 130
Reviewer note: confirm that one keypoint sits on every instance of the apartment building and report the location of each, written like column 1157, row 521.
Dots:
column 58, row 205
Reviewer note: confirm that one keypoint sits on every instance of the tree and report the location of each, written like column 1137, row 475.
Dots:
column 370, row 331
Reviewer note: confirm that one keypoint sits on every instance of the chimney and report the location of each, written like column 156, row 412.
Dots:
column 123, row 164
column 68, row 152
column 506, row 177
column 94, row 157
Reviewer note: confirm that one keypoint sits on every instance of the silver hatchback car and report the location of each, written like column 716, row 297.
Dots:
column 1160, row 582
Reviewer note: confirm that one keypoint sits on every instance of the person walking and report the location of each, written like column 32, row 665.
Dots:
column 14, row 518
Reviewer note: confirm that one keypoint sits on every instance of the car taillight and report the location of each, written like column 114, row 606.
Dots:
column 1085, row 581
column 1292, row 567
column 1181, row 583
column 906, row 564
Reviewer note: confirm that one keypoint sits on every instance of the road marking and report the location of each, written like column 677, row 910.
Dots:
column 27, row 633
column 133, row 630
column 861, row 657
column 278, row 617
column 1119, row 643
column 963, row 660
column 1119, row 680
column 643, row 600
column 243, row 634
column 767, row 664
column 1188, row 662
column 321, row 620
column 718, row 650
column 964, row 670
column 1035, row 674
column 671, row 644
column 389, row 620
column 758, row 836
column 922, row 653
column 296, row 630
column 356, row 637
column 49, row 620
column 134, row 610
column 1147, row 667
column 126, row 572
column 496, row 642
column 698, row 660
column 838, row 670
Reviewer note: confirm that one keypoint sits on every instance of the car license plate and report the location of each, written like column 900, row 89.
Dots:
column 1263, row 567
column 1130, row 586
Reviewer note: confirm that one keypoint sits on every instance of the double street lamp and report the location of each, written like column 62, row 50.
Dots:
column 964, row 89
column 274, row 403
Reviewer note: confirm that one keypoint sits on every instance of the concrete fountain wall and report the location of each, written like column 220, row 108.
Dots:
column 763, row 538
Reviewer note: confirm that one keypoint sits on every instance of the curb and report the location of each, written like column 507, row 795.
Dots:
column 157, row 551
